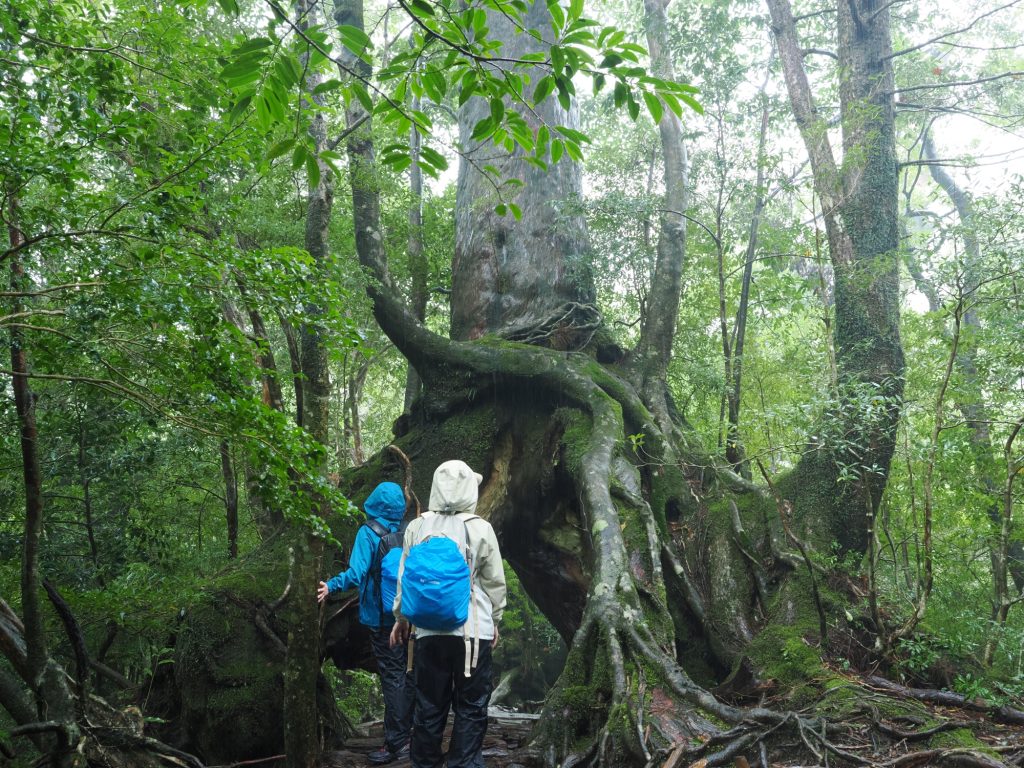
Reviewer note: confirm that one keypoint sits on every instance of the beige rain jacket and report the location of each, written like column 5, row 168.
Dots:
column 453, row 497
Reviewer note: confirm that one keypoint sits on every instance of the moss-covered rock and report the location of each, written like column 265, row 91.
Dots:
column 228, row 669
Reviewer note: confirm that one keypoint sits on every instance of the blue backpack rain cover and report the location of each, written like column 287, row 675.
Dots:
column 436, row 584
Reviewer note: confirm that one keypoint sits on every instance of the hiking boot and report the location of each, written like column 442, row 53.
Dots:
column 383, row 756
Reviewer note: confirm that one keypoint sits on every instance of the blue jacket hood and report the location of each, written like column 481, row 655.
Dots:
column 386, row 503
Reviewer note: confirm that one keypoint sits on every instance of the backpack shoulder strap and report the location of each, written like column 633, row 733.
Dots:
column 376, row 527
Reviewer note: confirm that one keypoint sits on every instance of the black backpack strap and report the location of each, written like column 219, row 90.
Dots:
column 375, row 562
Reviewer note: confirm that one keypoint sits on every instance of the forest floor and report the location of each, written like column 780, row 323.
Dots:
column 964, row 738
column 507, row 731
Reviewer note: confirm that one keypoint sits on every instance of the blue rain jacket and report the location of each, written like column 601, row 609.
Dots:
column 386, row 505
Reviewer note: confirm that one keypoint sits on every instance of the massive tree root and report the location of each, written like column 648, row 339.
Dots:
column 653, row 563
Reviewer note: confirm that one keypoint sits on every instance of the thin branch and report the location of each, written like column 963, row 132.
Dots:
column 819, row 52
column 941, row 37
column 1015, row 74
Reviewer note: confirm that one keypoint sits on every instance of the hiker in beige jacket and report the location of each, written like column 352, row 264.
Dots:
column 453, row 667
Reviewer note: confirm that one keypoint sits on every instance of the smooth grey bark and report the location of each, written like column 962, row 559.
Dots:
column 654, row 350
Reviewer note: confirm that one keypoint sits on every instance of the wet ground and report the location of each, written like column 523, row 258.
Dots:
column 506, row 732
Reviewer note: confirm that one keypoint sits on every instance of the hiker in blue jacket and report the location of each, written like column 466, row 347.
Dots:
column 384, row 509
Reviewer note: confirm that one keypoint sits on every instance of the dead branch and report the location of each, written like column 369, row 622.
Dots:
column 948, row 699
column 410, row 495
column 898, row 733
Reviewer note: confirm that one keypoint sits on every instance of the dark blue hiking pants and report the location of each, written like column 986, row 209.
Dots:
column 441, row 685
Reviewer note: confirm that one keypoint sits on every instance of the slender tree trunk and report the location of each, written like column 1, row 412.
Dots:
column 267, row 519
column 734, row 452
column 230, row 498
column 86, row 482
column 353, row 422
column 1003, row 600
column 971, row 404
column 291, row 339
column 32, row 476
column 301, row 735
column 654, row 351
column 53, row 698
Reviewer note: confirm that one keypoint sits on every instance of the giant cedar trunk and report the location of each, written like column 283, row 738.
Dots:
column 518, row 279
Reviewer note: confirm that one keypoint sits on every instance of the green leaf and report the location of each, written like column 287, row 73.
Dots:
column 435, row 84
column 564, row 96
column 633, row 107
column 422, row 8
column 557, row 16
column 434, row 158
column 501, row 209
column 359, row 91
column 354, row 39
column 239, row 107
column 263, row 113
column 483, row 129
column 288, row 71
column 312, row 171
column 517, row 213
column 543, row 89
column 497, row 110
column 543, row 137
column 692, row 103
column 253, row 44
column 327, row 86
column 230, row 7
column 620, row 94
column 557, row 148
column 653, row 106
column 673, row 103
column 280, row 148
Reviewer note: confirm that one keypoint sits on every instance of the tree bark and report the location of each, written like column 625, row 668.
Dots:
column 734, row 452
column 52, row 697
column 838, row 483
column 230, row 498
column 418, row 267
column 654, row 350
column 268, row 519
column 301, row 668
column 499, row 285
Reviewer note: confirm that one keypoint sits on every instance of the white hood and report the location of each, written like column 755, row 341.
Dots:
column 454, row 488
